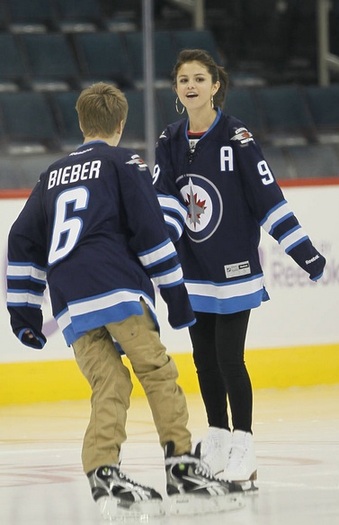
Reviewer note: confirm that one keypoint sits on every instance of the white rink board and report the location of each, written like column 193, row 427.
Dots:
column 300, row 312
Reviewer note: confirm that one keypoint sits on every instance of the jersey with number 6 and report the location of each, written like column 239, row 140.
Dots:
column 93, row 226
column 216, row 193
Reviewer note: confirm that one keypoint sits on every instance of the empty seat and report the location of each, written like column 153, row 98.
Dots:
column 134, row 131
column 314, row 161
column 164, row 56
column 134, row 48
column 165, row 108
column 102, row 57
column 79, row 16
column 12, row 70
column 11, row 172
column 31, row 16
column 51, row 62
column 66, row 117
column 279, row 162
column 241, row 103
column 286, row 115
column 123, row 15
column 23, row 171
column 197, row 39
column 3, row 17
column 2, row 135
column 28, row 122
column 323, row 102
column 333, row 21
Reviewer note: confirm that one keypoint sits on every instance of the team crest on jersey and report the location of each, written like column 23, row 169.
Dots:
column 204, row 204
column 242, row 135
column 138, row 161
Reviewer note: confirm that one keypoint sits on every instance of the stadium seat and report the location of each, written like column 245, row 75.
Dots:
column 165, row 108
column 12, row 70
column 28, row 122
column 3, row 17
column 51, row 62
column 314, row 161
column 323, row 102
column 122, row 15
column 197, row 39
column 333, row 25
column 63, row 108
column 241, row 103
column 134, row 48
column 79, row 16
column 11, row 172
column 33, row 16
column 279, row 162
column 134, row 131
column 164, row 56
column 2, row 136
column 286, row 116
column 23, row 171
column 102, row 57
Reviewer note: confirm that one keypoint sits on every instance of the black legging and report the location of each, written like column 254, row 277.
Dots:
column 218, row 352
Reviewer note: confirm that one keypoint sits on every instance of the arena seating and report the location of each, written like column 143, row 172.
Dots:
column 51, row 49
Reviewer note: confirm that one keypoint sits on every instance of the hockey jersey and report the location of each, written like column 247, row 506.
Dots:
column 216, row 193
column 93, row 230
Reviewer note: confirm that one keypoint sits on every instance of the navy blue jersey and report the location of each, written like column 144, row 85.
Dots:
column 94, row 231
column 216, row 193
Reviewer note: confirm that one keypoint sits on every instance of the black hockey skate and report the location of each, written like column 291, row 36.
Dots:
column 193, row 490
column 120, row 497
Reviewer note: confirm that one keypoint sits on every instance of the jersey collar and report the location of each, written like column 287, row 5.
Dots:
column 215, row 122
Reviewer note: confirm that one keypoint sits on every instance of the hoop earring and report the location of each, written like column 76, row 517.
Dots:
column 177, row 109
column 212, row 102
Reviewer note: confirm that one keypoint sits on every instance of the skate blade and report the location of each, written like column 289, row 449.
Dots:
column 187, row 504
column 248, row 487
column 139, row 511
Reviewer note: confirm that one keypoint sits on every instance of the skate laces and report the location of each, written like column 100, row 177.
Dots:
column 123, row 477
column 133, row 483
column 199, row 466
column 204, row 470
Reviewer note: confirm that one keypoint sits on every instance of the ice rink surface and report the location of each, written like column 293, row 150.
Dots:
column 297, row 443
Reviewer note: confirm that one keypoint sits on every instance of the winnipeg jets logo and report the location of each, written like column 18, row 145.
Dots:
column 242, row 135
column 204, row 206
column 196, row 207
column 135, row 159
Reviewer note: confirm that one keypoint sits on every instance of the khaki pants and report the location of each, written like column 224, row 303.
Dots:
column 110, row 381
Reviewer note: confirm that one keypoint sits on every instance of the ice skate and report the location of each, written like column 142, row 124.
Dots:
column 119, row 497
column 193, row 490
column 215, row 449
column 242, row 463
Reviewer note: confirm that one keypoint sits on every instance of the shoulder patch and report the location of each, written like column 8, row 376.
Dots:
column 242, row 135
column 138, row 161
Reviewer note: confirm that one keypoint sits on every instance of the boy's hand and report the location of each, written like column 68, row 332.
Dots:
column 30, row 339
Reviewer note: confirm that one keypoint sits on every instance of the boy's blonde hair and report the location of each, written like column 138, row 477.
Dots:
column 101, row 108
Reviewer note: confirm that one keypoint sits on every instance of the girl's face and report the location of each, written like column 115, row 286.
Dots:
column 194, row 86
